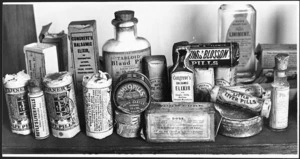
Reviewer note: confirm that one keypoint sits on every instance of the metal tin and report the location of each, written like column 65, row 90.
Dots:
column 225, row 96
column 127, row 125
column 180, row 122
column 61, row 104
column 254, row 89
column 97, row 104
column 204, row 82
column 225, row 76
column 16, row 101
column 132, row 93
column 155, row 68
column 38, row 111
column 214, row 54
column 238, row 123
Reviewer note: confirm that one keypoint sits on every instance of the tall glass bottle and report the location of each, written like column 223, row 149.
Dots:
column 124, row 53
column 237, row 23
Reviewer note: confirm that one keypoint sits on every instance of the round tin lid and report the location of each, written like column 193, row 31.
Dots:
column 132, row 93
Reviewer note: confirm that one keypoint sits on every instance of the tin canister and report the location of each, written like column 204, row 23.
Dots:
column 204, row 82
column 127, row 125
column 97, row 104
column 61, row 104
column 38, row 112
column 16, row 99
column 225, row 76
column 132, row 93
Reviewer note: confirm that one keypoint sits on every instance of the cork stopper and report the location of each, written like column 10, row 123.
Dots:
column 281, row 61
column 34, row 86
column 124, row 16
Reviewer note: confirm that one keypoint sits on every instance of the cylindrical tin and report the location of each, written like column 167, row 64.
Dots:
column 225, row 76
column 238, row 123
column 223, row 95
column 127, row 125
column 97, row 105
column 16, row 99
column 38, row 112
column 254, row 89
column 155, row 68
column 204, row 82
column 61, row 104
column 132, row 93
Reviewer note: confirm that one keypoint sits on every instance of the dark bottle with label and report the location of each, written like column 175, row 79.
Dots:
column 182, row 77
column 124, row 53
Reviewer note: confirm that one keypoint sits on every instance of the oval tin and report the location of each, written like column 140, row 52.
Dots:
column 132, row 93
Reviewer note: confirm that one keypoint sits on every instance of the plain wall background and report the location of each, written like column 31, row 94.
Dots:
column 164, row 23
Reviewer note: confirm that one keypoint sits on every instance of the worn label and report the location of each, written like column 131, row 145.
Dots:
column 61, row 107
column 179, row 126
column 182, row 87
column 225, row 76
column 118, row 63
column 128, row 131
column 129, row 119
column 157, row 89
column 253, row 89
column 98, row 111
column 132, row 98
column 39, row 117
column 280, row 108
column 16, row 99
column 204, row 81
column 35, row 65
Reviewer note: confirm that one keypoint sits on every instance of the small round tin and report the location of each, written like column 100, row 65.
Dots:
column 127, row 125
column 132, row 93
column 238, row 123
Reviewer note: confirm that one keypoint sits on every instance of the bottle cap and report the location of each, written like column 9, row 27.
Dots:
column 124, row 16
column 281, row 61
column 266, row 108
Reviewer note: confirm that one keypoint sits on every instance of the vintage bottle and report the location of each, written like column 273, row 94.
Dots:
column 182, row 78
column 124, row 53
column 280, row 94
column 237, row 23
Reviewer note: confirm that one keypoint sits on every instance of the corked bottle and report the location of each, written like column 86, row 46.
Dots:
column 124, row 53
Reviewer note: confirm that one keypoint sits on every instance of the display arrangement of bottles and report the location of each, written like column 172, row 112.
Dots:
column 237, row 23
column 124, row 53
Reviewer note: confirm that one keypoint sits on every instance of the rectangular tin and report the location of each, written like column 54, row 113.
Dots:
column 84, row 49
column 180, row 122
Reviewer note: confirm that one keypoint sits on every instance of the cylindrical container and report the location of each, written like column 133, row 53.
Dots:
column 237, row 23
column 61, row 104
column 16, row 100
column 254, row 89
column 204, row 82
column 225, row 76
column 38, row 112
column 127, row 125
column 97, row 105
column 225, row 96
column 124, row 53
column 155, row 68
column 132, row 93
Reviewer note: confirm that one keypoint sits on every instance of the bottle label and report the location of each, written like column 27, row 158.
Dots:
column 61, row 107
column 97, row 109
column 39, row 117
column 280, row 107
column 122, row 62
column 182, row 87
column 16, row 99
column 225, row 76
column 240, row 31
column 35, row 63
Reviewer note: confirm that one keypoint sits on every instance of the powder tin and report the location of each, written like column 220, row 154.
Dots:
column 127, row 125
column 204, row 82
column 132, row 93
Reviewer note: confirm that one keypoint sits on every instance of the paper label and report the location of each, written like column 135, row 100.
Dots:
column 210, row 56
column 182, row 87
column 39, row 117
column 204, row 81
column 225, row 76
column 61, row 107
column 122, row 62
column 97, row 109
column 35, row 65
column 157, row 89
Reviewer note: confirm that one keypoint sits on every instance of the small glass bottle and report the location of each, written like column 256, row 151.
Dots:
column 237, row 23
column 280, row 94
column 182, row 78
column 124, row 53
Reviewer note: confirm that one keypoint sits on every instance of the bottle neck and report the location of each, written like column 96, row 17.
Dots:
column 280, row 76
column 125, row 33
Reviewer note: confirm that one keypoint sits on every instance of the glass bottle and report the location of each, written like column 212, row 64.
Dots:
column 280, row 94
column 182, row 78
column 124, row 53
column 237, row 23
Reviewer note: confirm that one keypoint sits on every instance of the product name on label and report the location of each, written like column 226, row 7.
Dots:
column 35, row 117
column 125, row 60
column 209, row 54
column 15, row 90
column 239, row 98
column 130, row 88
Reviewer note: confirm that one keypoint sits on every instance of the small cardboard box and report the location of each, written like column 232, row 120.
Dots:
column 41, row 59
